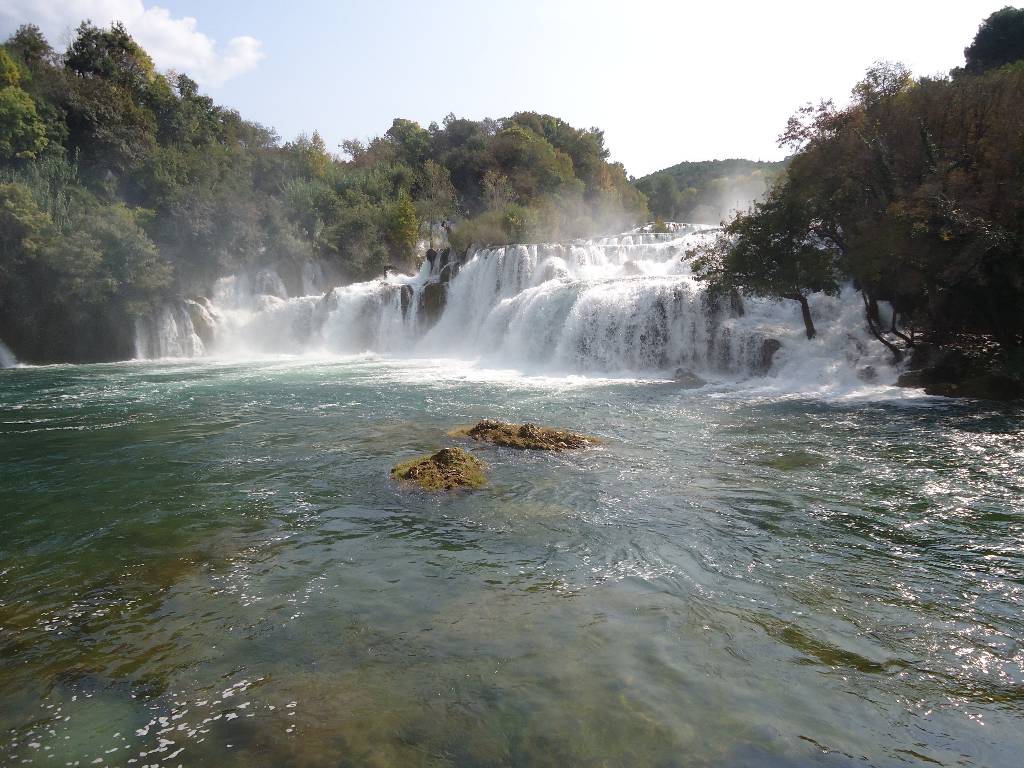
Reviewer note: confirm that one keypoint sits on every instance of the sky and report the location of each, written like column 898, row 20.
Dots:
column 666, row 81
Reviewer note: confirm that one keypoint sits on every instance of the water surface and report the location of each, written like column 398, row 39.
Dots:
column 206, row 563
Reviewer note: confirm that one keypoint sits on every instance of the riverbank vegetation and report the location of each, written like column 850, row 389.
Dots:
column 708, row 191
column 913, row 192
column 121, row 186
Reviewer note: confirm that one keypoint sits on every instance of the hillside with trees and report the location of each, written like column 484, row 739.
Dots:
column 708, row 191
column 121, row 186
column 915, row 194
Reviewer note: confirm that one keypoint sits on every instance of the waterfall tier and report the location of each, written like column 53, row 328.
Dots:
column 625, row 304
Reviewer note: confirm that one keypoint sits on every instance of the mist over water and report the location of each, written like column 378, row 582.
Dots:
column 619, row 306
column 7, row 358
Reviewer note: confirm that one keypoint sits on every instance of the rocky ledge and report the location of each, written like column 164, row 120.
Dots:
column 525, row 436
column 445, row 470
column 955, row 373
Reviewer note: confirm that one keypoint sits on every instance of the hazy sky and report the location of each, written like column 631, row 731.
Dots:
column 667, row 81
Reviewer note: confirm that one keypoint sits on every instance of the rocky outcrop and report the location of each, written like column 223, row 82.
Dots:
column 200, row 312
column 765, row 356
column 406, row 296
column 432, row 302
column 525, row 436
column 446, row 470
column 687, row 379
column 954, row 373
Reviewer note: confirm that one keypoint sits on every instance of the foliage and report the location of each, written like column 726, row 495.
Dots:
column 912, row 192
column 1000, row 40
column 22, row 134
column 403, row 225
column 436, row 200
column 776, row 250
column 124, row 187
column 707, row 191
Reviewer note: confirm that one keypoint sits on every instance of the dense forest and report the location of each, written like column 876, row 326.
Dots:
column 914, row 193
column 121, row 186
column 708, row 191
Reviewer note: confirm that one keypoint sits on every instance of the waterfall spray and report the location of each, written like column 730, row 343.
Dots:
column 625, row 304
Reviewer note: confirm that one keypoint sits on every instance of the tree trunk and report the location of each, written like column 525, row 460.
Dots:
column 908, row 340
column 805, row 310
column 897, row 354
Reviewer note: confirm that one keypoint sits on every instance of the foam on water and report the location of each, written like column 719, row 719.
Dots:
column 619, row 307
column 7, row 358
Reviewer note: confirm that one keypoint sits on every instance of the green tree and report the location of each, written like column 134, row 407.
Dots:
column 22, row 133
column 436, row 200
column 665, row 199
column 24, row 229
column 10, row 76
column 110, row 54
column 403, row 226
column 1000, row 40
column 774, row 252
column 498, row 192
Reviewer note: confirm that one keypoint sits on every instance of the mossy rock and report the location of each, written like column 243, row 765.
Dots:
column 525, row 436
column 445, row 470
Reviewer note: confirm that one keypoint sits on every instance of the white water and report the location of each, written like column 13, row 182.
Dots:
column 627, row 305
column 7, row 358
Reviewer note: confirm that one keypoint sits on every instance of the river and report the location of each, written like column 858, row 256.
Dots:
column 205, row 562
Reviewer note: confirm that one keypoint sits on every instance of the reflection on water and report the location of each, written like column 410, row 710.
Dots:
column 208, row 565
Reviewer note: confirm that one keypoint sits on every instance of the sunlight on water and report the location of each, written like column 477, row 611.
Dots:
column 205, row 562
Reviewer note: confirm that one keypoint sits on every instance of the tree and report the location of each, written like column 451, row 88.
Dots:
column 110, row 54
column 1000, row 40
column 9, row 74
column 436, row 200
column 498, row 193
column 24, row 229
column 28, row 42
column 22, row 132
column 403, row 226
column 773, row 252
column 665, row 199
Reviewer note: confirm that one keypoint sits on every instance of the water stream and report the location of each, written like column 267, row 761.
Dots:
column 204, row 561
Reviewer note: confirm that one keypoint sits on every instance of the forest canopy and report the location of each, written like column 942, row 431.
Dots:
column 121, row 186
column 914, row 193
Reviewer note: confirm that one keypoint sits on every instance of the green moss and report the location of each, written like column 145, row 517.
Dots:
column 445, row 470
column 525, row 436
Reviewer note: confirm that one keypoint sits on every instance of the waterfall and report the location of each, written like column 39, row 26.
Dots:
column 168, row 332
column 624, row 304
column 7, row 358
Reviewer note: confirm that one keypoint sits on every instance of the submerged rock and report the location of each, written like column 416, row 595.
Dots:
column 432, row 302
column 987, row 385
column 687, row 379
column 525, row 436
column 445, row 470
column 953, row 373
column 766, row 356
column 867, row 374
column 406, row 297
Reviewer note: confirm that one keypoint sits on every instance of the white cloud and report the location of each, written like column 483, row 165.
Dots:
column 173, row 43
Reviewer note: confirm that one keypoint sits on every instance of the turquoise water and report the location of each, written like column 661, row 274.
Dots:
column 207, row 564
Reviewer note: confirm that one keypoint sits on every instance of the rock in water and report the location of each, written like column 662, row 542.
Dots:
column 688, row 379
column 525, row 436
column 445, row 470
column 433, row 299
column 767, row 354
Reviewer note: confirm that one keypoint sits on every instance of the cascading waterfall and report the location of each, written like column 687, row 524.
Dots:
column 7, row 358
column 625, row 304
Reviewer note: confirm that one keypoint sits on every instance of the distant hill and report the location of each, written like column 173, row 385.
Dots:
column 707, row 191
